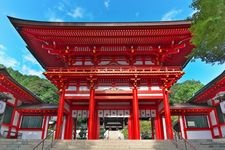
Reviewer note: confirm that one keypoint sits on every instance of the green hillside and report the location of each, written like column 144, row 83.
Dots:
column 42, row 88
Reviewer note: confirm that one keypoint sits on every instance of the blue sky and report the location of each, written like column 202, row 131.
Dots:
column 13, row 52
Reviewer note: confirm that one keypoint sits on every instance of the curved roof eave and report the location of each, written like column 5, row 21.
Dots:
column 206, row 87
column 100, row 24
column 5, row 72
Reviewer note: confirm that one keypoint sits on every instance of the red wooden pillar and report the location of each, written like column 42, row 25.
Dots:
column 69, row 127
column 130, row 129
column 158, row 127
column 136, row 124
column 91, row 119
column 169, row 130
column 59, row 122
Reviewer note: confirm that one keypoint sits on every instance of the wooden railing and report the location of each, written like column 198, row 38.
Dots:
column 42, row 143
column 116, row 69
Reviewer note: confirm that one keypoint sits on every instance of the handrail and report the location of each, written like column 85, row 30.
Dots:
column 42, row 143
column 184, row 140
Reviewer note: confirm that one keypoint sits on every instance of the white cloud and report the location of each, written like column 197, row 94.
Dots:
column 30, row 58
column 2, row 47
column 78, row 12
column 171, row 15
column 51, row 15
column 192, row 13
column 54, row 19
column 106, row 3
column 6, row 60
column 67, row 9
column 28, row 71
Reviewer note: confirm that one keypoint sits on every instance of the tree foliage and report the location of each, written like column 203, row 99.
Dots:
column 145, row 128
column 181, row 92
column 42, row 88
column 208, row 30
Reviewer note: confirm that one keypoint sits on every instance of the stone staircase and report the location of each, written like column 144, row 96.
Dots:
column 20, row 144
column 210, row 144
column 17, row 144
column 114, row 145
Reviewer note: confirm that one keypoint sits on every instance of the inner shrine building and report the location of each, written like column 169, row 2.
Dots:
column 114, row 74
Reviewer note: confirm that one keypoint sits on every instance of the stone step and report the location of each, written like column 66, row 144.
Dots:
column 136, row 145
column 114, row 145
column 15, row 144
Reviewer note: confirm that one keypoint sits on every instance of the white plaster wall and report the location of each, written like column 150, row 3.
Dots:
column 16, row 118
column 213, row 118
column 13, row 131
column 155, row 88
column 63, row 127
column 102, row 88
column 125, row 88
column 31, row 134
column 164, row 128
column 206, row 134
column 12, row 101
column 216, row 131
column 223, row 130
column 83, row 88
column 143, row 88
column 71, row 88
column 4, row 128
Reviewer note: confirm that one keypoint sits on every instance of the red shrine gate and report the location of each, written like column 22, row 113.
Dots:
column 106, row 69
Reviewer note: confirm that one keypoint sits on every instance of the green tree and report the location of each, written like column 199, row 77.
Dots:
column 181, row 92
column 145, row 127
column 208, row 30
column 40, row 87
